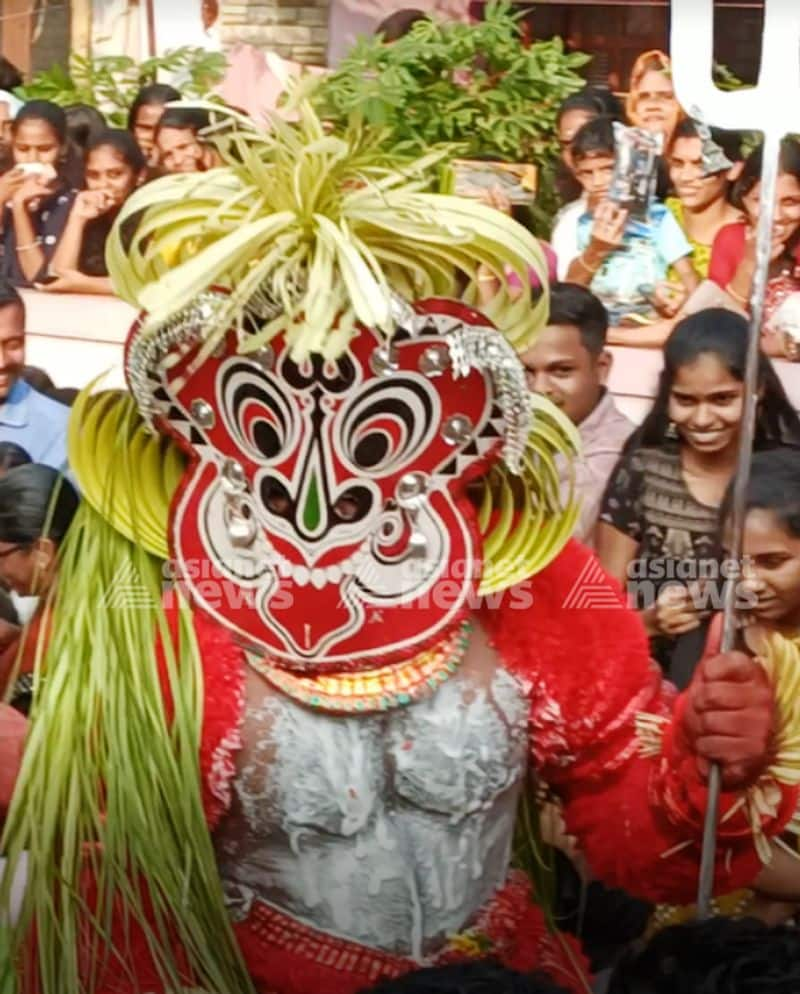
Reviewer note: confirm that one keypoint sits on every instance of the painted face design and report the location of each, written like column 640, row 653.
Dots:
column 328, row 496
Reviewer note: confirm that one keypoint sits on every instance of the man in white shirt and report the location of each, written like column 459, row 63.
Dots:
column 569, row 364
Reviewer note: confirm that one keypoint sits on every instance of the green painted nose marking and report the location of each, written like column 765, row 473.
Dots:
column 311, row 512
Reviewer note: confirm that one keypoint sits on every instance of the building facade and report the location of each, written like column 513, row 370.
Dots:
column 318, row 32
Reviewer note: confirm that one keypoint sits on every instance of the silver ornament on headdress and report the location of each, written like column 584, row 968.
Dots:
column 179, row 333
column 714, row 159
column 485, row 349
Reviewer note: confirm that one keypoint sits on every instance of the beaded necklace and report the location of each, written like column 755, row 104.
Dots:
column 372, row 690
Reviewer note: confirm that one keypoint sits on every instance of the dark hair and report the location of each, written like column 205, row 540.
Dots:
column 38, row 379
column 575, row 305
column 596, row 137
column 43, row 110
column 64, row 395
column 729, row 141
column 154, row 95
column 723, row 334
column 8, row 611
column 719, row 956
column 35, row 501
column 123, row 143
column 774, row 485
column 184, row 119
column 473, row 977
column 596, row 100
column 789, row 162
column 399, row 23
column 10, row 76
column 12, row 455
column 10, row 296
column 83, row 122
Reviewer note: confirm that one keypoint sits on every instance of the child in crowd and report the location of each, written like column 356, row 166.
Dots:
column 145, row 113
column 733, row 256
column 621, row 259
column 115, row 166
column 578, row 109
column 35, row 195
column 658, row 528
column 703, row 165
column 179, row 146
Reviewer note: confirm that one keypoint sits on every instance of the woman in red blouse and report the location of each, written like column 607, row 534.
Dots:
column 733, row 256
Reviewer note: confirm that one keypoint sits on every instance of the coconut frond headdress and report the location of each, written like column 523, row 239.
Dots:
column 300, row 340
column 298, row 345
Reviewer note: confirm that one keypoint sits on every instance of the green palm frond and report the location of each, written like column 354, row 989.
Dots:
column 324, row 226
column 110, row 784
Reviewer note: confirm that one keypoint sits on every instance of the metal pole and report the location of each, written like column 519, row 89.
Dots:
column 769, row 178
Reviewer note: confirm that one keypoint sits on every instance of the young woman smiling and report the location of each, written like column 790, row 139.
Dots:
column 658, row 528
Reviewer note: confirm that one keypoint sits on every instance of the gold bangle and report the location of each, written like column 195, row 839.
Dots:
column 29, row 246
column 737, row 296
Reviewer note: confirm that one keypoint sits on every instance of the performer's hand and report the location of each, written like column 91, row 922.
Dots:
column 729, row 717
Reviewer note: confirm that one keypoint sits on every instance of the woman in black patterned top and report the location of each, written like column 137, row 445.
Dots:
column 659, row 520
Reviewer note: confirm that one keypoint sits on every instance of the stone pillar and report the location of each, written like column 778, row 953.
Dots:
column 294, row 29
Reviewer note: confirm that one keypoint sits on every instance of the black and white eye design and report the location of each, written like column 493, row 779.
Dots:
column 259, row 413
column 387, row 425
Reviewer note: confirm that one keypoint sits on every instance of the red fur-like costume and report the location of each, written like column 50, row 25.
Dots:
column 588, row 674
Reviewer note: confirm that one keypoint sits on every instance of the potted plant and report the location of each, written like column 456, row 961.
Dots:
column 478, row 87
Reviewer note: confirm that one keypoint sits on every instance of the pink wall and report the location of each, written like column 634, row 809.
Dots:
column 349, row 18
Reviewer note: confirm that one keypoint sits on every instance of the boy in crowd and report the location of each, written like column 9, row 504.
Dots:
column 623, row 260
column 703, row 165
column 28, row 418
column 569, row 364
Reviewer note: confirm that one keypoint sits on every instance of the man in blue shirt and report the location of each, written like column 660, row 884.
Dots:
column 28, row 418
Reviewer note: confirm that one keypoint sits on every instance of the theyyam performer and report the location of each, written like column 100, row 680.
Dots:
column 314, row 643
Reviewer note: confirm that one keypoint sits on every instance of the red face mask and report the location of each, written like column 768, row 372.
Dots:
column 323, row 515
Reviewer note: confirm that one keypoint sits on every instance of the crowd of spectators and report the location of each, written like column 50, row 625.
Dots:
column 65, row 174
column 654, row 498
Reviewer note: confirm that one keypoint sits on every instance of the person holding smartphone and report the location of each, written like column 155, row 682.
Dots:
column 115, row 167
column 623, row 260
column 35, row 194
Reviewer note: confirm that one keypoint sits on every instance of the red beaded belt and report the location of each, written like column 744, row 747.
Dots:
column 289, row 957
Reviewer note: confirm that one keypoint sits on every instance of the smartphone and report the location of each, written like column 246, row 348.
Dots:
column 36, row 169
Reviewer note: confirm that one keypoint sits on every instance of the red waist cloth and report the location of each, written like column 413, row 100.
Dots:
column 285, row 956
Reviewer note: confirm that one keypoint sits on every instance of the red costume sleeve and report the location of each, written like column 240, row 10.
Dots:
column 585, row 658
column 223, row 701
column 726, row 253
